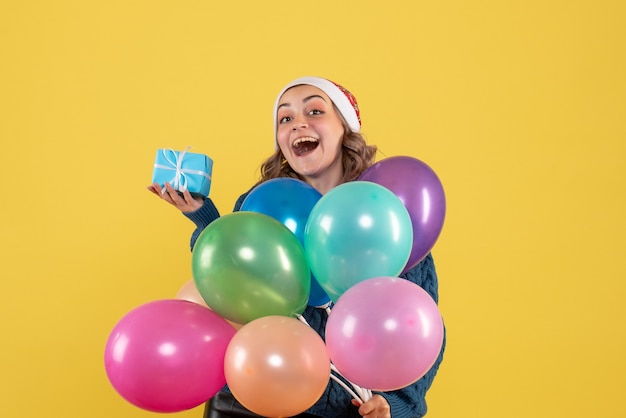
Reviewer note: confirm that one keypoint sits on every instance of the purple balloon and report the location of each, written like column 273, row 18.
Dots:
column 384, row 333
column 168, row 355
column 421, row 192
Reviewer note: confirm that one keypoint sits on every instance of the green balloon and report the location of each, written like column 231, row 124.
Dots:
column 357, row 231
column 247, row 265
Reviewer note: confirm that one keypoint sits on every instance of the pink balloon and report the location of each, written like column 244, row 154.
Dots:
column 384, row 333
column 168, row 355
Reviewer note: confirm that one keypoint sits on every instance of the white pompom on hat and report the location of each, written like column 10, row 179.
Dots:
column 344, row 100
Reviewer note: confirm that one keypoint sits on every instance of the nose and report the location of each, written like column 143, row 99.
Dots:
column 300, row 122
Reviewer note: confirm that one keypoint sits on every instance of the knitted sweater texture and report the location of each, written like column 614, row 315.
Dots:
column 335, row 402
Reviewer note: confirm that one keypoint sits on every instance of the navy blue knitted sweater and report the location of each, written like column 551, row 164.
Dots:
column 408, row 402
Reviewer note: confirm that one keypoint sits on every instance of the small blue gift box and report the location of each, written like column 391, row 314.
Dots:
column 183, row 170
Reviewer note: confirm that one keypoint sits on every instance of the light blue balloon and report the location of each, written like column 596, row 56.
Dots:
column 285, row 199
column 356, row 231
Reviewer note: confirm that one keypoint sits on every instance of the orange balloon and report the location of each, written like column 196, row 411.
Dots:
column 277, row 358
column 190, row 292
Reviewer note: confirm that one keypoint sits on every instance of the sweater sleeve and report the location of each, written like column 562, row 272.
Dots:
column 410, row 402
column 202, row 217
column 239, row 201
column 206, row 214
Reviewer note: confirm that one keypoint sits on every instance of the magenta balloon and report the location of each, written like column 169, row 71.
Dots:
column 168, row 355
column 421, row 192
column 384, row 333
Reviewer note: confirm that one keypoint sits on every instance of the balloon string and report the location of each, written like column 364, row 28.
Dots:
column 302, row 319
column 350, row 391
column 364, row 394
column 367, row 395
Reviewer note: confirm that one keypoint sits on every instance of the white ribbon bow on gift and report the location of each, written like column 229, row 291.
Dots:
column 179, row 181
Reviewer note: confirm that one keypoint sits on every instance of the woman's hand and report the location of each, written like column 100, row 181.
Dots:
column 376, row 407
column 184, row 203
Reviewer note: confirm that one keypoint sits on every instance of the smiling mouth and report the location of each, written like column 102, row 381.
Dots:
column 304, row 145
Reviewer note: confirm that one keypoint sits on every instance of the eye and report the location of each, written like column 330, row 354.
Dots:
column 284, row 119
column 316, row 112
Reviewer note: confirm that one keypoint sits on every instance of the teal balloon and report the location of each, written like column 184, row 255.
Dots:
column 247, row 265
column 356, row 231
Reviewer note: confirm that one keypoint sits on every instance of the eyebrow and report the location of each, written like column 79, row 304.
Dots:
column 306, row 99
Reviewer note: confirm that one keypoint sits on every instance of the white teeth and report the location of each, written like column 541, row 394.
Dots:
column 305, row 139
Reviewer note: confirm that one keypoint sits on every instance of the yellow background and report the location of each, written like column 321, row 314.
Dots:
column 519, row 106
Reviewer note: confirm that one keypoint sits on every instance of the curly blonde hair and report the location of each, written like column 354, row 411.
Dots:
column 356, row 157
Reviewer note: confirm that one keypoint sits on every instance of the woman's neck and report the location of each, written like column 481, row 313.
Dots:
column 324, row 183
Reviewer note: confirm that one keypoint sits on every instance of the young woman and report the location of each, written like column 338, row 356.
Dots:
column 317, row 140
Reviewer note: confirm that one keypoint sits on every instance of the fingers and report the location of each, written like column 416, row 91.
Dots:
column 184, row 201
column 377, row 406
column 192, row 203
column 188, row 198
column 158, row 190
column 174, row 197
column 164, row 193
column 153, row 188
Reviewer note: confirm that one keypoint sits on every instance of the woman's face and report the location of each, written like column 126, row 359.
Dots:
column 309, row 134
